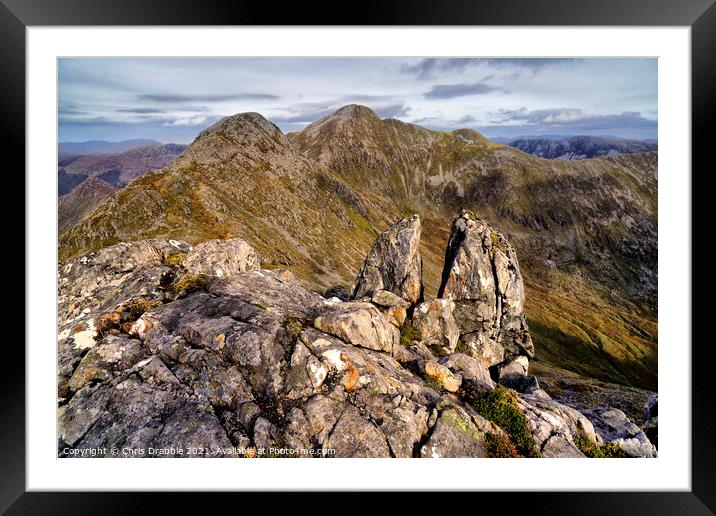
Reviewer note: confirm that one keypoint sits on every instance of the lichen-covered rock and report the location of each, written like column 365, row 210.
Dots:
column 360, row 324
column 454, row 435
column 482, row 276
column 553, row 423
column 394, row 263
column 471, row 371
column 436, row 325
column 613, row 426
column 256, row 361
column 443, row 376
column 221, row 258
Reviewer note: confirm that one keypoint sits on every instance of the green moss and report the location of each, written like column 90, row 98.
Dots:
column 294, row 327
column 500, row 407
column 173, row 260
column 453, row 418
column 433, row 383
column 137, row 307
column 190, row 283
column 409, row 333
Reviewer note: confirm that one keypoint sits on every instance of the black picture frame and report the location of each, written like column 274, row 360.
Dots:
column 700, row 15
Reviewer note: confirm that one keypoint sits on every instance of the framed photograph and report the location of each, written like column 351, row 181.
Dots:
column 435, row 250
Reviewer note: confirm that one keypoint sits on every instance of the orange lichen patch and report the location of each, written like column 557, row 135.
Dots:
column 351, row 377
column 220, row 340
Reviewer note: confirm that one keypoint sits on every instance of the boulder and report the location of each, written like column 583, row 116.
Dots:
column 394, row 263
column 360, row 324
column 613, row 426
column 221, row 258
column 473, row 374
column 482, row 276
column 513, row 374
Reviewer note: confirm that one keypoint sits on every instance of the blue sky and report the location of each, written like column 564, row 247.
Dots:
column 171, row 100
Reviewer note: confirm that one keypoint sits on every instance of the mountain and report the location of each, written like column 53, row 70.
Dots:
column 313, row 201
column 580, row 147
column 73, row 206
column 119, row 169
column 66, row 149
column 67, row 182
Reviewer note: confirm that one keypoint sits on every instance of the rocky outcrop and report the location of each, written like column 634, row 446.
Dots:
column 248, row 362
column 393, row 263
column 481, row 275
column 221, row 258
column 614, row 426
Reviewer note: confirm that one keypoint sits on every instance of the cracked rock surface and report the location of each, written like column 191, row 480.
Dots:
column 248, row 359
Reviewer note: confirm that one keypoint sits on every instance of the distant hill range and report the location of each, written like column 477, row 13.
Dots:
column 115, row 169
column 84, row 181
column 94, row 147
column 580, row 147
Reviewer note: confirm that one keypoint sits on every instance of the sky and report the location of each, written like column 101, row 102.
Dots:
column 173, row 99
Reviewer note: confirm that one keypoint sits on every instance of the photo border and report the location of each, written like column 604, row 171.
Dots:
column 700, row 15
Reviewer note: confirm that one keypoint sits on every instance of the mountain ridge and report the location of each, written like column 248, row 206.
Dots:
column 313, row 200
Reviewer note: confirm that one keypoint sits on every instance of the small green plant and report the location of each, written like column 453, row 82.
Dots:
column 409, row 333
column 294, row 327
column 190, row 283
column 433, row 383
column 592, row 450
column 173, row 260
column 500, row 407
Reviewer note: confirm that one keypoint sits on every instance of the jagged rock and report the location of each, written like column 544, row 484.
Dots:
column 481, row 275
column 256, row 360
column 454, row 435
column 104, row 290
column 436, row 325
column 614, row 426
column 552, row 423
column 264, row 434
column 447, row 380
column 471, row 371
column 360, row 324
column 113, row 353
column 394, row 263
column 221, row 258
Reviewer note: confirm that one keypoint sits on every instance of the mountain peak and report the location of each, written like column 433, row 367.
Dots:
column 242, row 124
column 354, row 111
